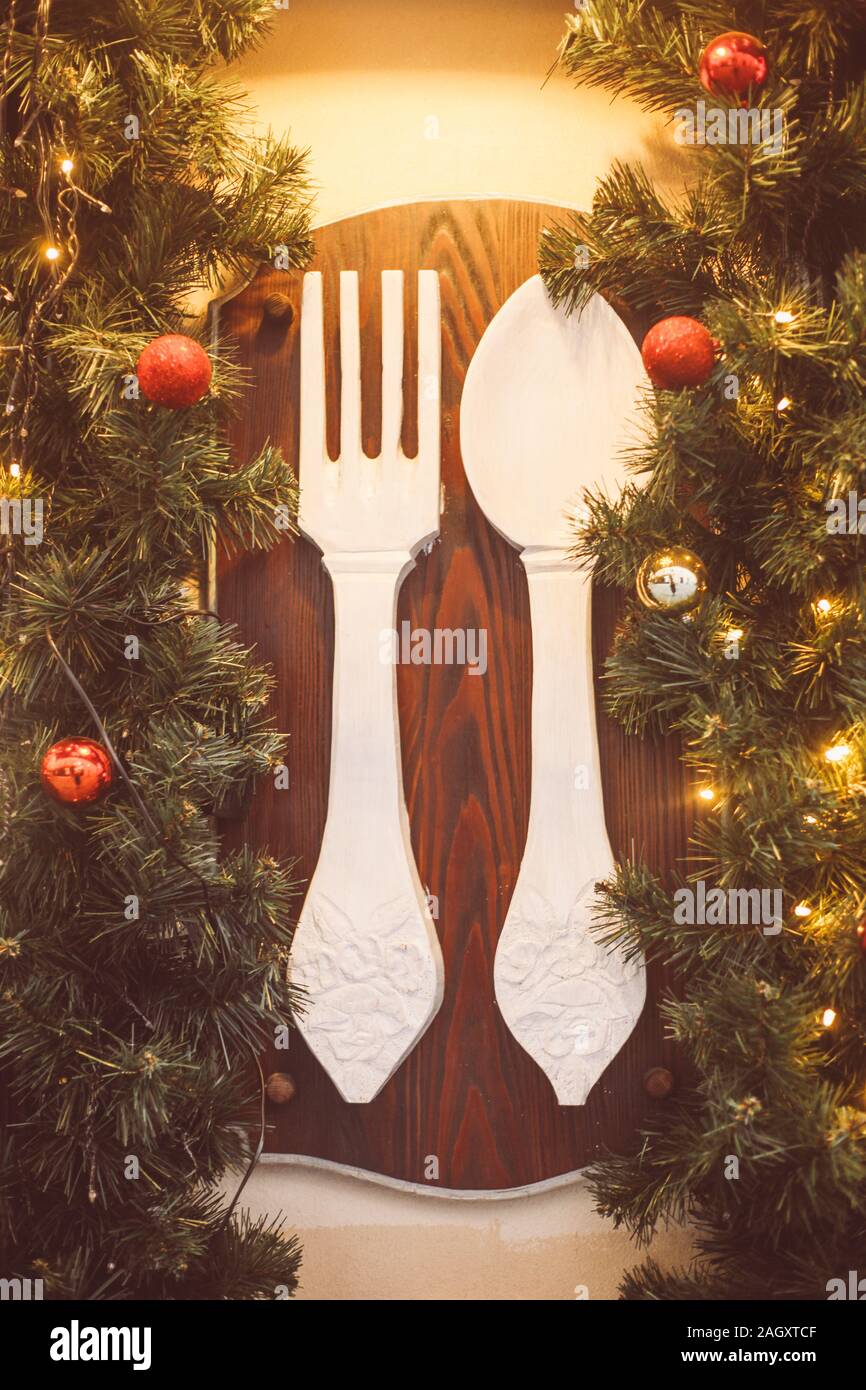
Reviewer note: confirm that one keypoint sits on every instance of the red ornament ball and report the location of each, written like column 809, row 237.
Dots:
column 861, row 934
column 76, row 771
column 678, row 352
column 174, row 370
column 733, row 64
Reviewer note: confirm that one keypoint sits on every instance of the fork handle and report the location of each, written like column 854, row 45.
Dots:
column 366, row 950
column 366, row 785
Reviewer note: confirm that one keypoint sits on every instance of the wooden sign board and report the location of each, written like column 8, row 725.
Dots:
column 468, row 1096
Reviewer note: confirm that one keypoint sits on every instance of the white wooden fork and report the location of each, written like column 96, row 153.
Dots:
column 366, row 950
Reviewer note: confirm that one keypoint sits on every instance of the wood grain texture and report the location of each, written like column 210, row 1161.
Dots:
column 468, row 1093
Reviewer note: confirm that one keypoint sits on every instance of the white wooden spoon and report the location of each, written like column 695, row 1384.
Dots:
column 548, row 403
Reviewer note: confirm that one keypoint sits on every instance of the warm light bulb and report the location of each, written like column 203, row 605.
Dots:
column 802, row 910
column 735, row 634
column 52, row 253
column 837, row 753
column 811, row 820
column 15, row 470
column 707, row 794
column 828, row 1018
column 784, row 316
column 783, row 403
column 66, row 166
column 823, row 605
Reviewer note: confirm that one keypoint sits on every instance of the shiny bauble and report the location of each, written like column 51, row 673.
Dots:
column 673, row 580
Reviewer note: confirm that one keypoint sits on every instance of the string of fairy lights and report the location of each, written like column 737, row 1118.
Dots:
column 835, row 753
column 663, row 356
column 58, row 197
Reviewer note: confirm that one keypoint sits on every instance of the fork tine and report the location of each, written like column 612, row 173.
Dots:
column 350, row 366
column 313, row 438
column 429, row 366
column 392, row 362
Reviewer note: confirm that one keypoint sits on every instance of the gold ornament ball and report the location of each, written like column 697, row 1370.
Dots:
column 672, row 580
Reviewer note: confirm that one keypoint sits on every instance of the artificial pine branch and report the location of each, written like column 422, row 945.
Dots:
column 141, row 970
column 763, row 1147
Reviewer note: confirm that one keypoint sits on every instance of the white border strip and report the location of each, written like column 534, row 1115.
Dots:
column 414, row 1189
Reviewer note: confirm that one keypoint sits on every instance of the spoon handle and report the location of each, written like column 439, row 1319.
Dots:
column 570, row 1002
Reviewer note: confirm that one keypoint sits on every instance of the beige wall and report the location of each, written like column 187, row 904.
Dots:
column 406, row 99
column 402, row 100
column 366, row 1240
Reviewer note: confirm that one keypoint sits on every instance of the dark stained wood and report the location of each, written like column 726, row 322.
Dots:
column 468, row 1094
